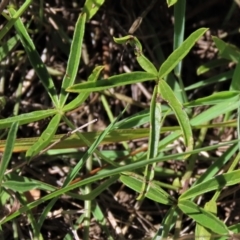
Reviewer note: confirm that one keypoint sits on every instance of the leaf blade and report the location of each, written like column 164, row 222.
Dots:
column 180, row 53
column 45, row 137
column 114, row 81
column 74, row 58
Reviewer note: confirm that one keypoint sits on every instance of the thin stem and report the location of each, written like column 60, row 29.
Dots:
column 88, row 189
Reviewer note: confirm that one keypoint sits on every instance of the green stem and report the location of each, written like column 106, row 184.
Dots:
column 88, row 189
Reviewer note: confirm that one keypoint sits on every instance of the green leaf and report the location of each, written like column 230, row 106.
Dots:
column 235, row 83
column 155, row 192
column 98, row 190
column 74, row 58
column 214, row 111
column 154, row 135
column 45, row 137
column 11, row 178
column 76, row 102
column 95, row 74
column 218, row 164
column 8, row 150
column 134, row 120
column 171, row 2
column 212, row 80
column 203, row 217
column 142, row 60
column 91, row 7
column 172, row 61
column 107, row 173
column 215, row 98
column 168, row 222
column 182, row 117
column 179, row 29
column 14, row 18
column 206, row 67
column 123, row 40
column 7, row 47
column 201, row 231
column 27, row 117
column 133, row 41
column 20, row 186
column 114, row 81
column 146, row 64
column 218, row 182
column 100, row 217
column 35, row 59
column 226, row 50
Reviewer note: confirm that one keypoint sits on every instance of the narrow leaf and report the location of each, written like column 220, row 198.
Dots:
column 155, row 192
column 76, row 102
column 179, row 30
column 20, row 186
column 45, row 137
column 89, row 152
column 114, row 81
column 226, row 50
column 218, row 182
column 91, row 7
column 180, row 53
column 103, row 174
column 146, row 64
column 141, row 59
column 123, row 40
column 171, row 2
column 35, row 59
column 8, row 150
column 215, row 98
column 203, row 217
column 117, row 135
column 7, row 47
column 215, row 111
column 27, row 118
column 182, row 117
column 206, row 67
column 14, row 18
column 154, row 135
column 74, row 58
column 201, row 231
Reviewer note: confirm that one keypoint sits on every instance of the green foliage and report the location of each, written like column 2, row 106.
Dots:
column 165, row 103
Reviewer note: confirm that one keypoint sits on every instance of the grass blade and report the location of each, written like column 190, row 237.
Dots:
column 35, row 59
column 8, row 150
column 220, row 181
column 14, row 18
column 155, row 192
column 108, row 173
column 74, row 58
column 179, row 27
column 89, row 152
